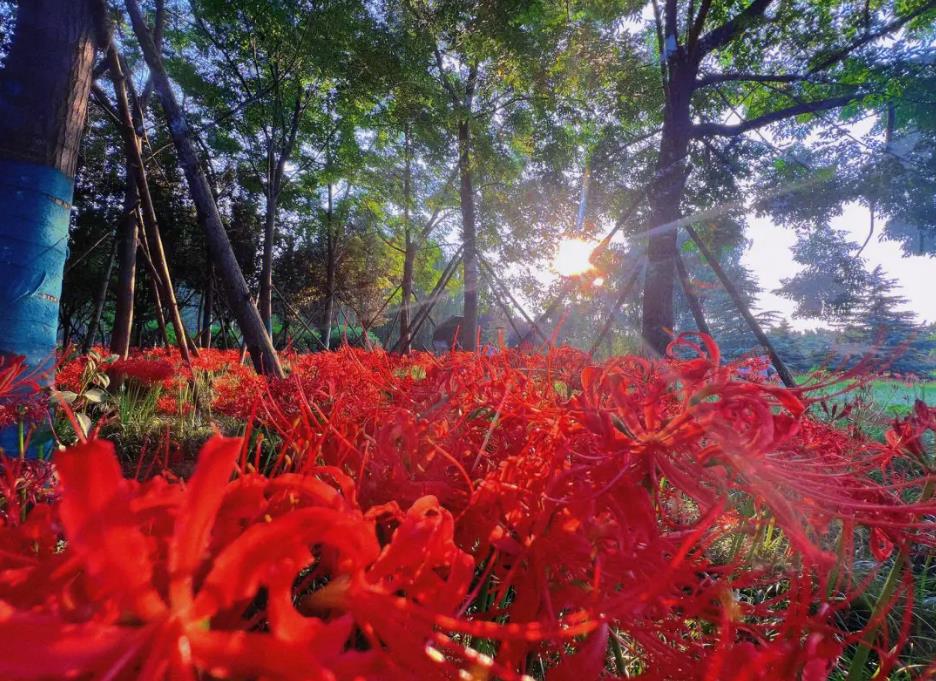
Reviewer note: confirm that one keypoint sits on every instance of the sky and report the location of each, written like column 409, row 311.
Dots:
column 770, row 257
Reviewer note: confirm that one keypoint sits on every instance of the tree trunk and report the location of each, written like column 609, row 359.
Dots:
column 409, row 251
column 126, row 271
column 665, row 198
column 329, row 314
column 43, row 104
column 266, row 274
column 406, row 287
column 257, row 339
column 101, row 299
column 207, row 308
column 469, row 331
column 276, row 168
column 331, row 267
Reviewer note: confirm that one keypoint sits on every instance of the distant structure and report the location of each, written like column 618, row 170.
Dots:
column 448, row 334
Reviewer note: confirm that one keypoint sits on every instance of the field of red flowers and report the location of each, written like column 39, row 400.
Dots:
column 467, row 516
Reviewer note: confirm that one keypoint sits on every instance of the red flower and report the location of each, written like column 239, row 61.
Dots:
column 146, row 371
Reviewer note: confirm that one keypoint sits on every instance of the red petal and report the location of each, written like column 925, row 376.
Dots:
column 241, row 567
column 42, row 647
column 204, row 494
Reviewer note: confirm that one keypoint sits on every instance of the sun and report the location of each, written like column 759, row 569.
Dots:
column 572, row 257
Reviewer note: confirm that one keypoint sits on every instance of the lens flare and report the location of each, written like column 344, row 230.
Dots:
column 572, row 257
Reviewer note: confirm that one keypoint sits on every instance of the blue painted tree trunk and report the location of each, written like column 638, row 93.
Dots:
column 34, row 204
column 43, row 102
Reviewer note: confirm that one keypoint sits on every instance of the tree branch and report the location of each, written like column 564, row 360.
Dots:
column 838, row 55
column 705, row 129
column 696, row 30
column 721, row 36
column 716, row 78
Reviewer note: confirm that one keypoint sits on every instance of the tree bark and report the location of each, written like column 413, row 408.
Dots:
column 469, row 332
column 669, row 185
column 45, row 82
column 257, row 340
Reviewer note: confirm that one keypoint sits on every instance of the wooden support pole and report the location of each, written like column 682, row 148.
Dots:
column 695, row 305
column 504, row 308
column 101, row 299
column 533, row 325
column 423, row 313
column 625, row 291
column 739, row 302
column 298, row 316
column 154, row 278
column 133, row 149
column 564, row 292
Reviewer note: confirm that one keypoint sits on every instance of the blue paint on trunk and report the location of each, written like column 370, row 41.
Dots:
column 35, row 203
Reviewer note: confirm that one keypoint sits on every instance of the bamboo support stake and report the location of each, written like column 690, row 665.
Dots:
column 740, row 303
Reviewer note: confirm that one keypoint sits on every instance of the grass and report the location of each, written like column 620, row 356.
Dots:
column 890, row 395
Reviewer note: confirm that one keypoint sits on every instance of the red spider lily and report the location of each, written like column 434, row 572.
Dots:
column 19, row 401
column 145, row 371
column 906, row 434
column 12, row 370
column 155, row 578
column 481, row 517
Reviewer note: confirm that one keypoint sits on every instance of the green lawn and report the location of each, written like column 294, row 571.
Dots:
column 888, row 397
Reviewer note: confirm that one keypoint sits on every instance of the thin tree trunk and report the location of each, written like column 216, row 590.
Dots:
column 409, row 252
column 207, row 307
column 257, row 339
column 266, row 274
column 329, row 314
column 126, row 270
column 130, row 228
column 276, row 168
column 101, row 299
column 331, row 267
column 422, row 314
column 469, row 332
